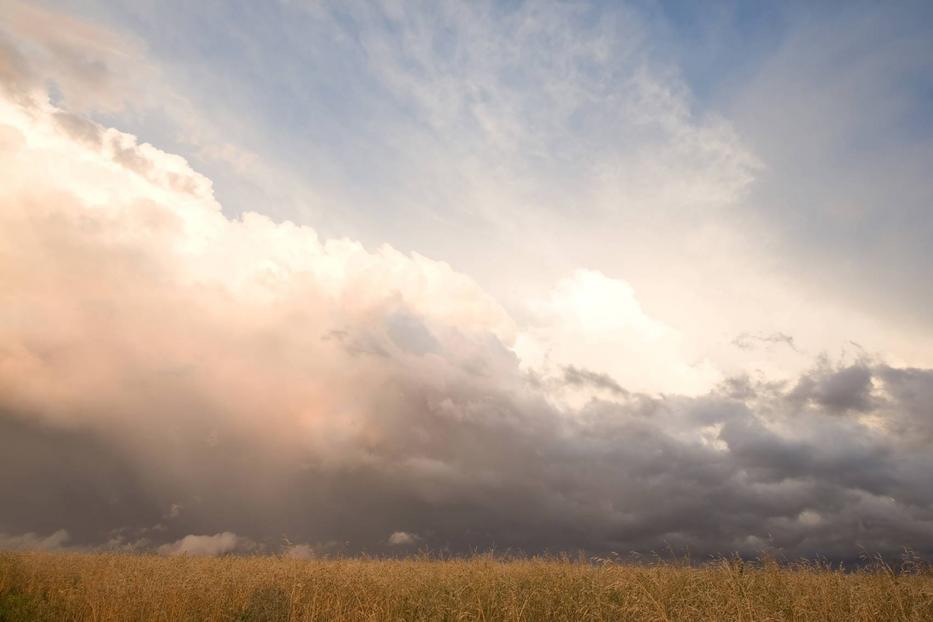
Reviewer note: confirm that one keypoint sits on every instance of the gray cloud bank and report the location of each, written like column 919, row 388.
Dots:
column 174, row 380
column 476, row 461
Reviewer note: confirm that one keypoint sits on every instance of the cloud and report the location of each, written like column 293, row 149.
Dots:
column 576, row 377
column 34, row 542
column 300, row 551
column 910, row 394
column 747, row 341
column 89, row 66
column 402, row 538
column 157, row 353
column 847, row 389
column 217, row 544
column 595, row 321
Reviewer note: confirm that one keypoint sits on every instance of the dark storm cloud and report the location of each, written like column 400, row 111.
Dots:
column 837, row 391
column 912, row 391
column 477, row 463
column 54, row 475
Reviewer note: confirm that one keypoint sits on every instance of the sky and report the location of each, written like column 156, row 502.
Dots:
column 327, row 278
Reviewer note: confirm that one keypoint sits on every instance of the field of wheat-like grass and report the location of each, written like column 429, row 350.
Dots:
column 112, row 587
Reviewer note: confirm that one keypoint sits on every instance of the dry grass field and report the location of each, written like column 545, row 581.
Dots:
column 99, row 587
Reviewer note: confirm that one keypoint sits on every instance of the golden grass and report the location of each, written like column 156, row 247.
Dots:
column 111, row 587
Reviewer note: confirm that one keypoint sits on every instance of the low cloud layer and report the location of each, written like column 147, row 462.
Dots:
column 33, row 542
column 217, row 544
column 175, row 380
column 402, row 538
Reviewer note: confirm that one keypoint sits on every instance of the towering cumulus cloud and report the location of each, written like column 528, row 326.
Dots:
column 174, row 379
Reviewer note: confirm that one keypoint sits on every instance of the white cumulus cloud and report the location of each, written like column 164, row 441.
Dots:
column 402, row 538
column 207, row 545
